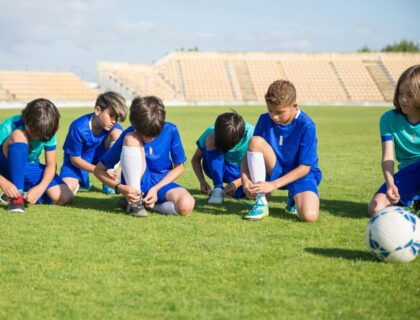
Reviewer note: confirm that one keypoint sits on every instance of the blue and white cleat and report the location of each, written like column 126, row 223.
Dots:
column 291, row 206
column 258, row 211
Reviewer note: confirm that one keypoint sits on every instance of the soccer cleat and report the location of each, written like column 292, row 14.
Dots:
column 137, row 209
column 258, row 211
column 291, row 206
column 217, row 196
column 4, row 199
column 17, row 205
column 107, row 189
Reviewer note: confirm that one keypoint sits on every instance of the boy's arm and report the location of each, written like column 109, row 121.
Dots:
column 82, row 164
column 198, row 170
column 171, row 176
column 269, row 186
column 388, row 171
column 49, row 172
column 130, row 193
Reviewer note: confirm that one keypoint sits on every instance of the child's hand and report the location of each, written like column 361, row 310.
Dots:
column 230, row 189
column 130, row 193
column 151, row 198
column 112, row 174
column 392, row 194
column 10, row 190
column 247, row 184
column 263, row 187
column 34, row 194
column 205, row 188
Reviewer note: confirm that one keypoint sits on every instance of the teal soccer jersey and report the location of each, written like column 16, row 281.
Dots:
column 236, row 154
column 35, row 146
column 395, row 126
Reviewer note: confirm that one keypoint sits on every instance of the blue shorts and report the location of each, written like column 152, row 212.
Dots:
column 34, row 173
column 308, row 182
column 407, row 181
column 230, row 172
column 68, row 170
column 150, row 179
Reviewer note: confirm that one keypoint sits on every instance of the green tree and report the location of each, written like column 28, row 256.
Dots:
column 365, row 48
column 402, row 46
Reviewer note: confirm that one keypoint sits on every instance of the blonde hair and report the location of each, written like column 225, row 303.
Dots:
column 412, row 75
column 280, row 93
column 115, row 102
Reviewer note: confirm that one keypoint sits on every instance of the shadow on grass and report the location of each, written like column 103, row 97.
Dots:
column 338, row 208
column 342, row 253
column 108, row 204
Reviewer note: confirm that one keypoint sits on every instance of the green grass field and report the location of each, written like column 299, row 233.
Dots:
column 91, row 261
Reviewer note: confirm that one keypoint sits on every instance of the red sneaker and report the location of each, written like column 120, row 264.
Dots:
column 17, row 205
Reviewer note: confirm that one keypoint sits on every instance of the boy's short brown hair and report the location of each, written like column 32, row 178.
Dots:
column 280, row 93
column 412, row 74
column 113, row 101
column 147, row 115
column 229, row 129
column 41, row 117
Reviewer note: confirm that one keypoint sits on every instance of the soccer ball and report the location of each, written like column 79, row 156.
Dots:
column 393, row 235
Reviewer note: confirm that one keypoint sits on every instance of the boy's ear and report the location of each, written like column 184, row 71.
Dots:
column 97, row 110
column 295, row 105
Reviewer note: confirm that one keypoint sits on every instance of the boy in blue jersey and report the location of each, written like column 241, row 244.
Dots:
column 400, row 131
column 88, row 139
column 282, row 154
column 220, row 150
column 152, row 158
column 22, row 139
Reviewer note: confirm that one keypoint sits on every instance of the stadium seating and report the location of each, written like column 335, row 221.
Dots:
column 57, row 86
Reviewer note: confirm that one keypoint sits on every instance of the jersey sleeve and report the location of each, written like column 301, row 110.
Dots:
column 177, row 150
column 201, row 142
column 384, row 128
column 51, row 145
column 74, row 142
column 307, row 147
column 258, row 131
column 6, row 128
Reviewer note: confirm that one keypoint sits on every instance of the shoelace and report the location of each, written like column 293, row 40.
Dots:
column 257, row 205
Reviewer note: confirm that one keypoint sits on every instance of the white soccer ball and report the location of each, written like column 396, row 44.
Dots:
column 393, row 235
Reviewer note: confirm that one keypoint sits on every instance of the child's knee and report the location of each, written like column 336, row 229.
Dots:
column 378, row 202
column 17, row 136
column 210, row 143
column 61, row 195
column 308, row 215
column 185, row 206
column 131, row 140
column 255, row 143
column 115, row 134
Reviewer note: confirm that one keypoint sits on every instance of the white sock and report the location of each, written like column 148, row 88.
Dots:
column 166, row 207
column 256, row 166
column 118, row 163
column 131, row 165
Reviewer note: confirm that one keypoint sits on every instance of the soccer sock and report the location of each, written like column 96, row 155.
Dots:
column 256, row 166
column 17, row 159
column 215, row 163
column 166, row 207
column 131, row 165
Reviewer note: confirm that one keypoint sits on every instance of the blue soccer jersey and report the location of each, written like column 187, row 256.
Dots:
column 161, row 153
column 294, row 144
column 81, row 142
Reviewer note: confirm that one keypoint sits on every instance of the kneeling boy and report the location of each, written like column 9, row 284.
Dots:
column 152, row 158
column 282, row 154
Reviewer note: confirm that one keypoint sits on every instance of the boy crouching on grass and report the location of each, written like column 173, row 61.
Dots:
column 89, row 137
column 220, row 150
column 22, row 139
column 282, row 154
column 152, row 158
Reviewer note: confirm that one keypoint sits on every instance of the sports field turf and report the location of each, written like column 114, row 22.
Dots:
column 91, row 261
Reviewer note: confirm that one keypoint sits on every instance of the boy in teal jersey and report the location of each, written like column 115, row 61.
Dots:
column 400, row 128
column 220, row 150
column 22, row 139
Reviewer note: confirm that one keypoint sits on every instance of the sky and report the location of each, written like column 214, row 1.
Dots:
column 53, row 35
